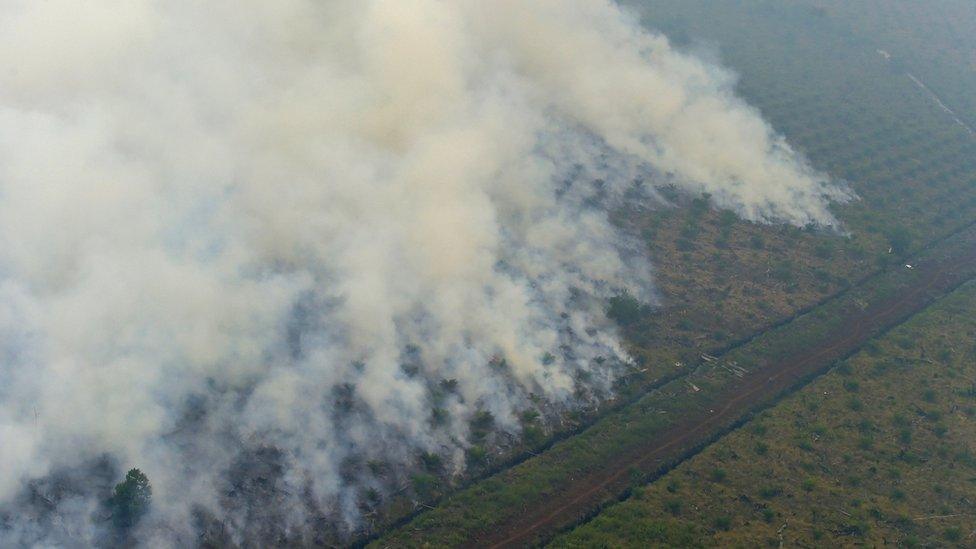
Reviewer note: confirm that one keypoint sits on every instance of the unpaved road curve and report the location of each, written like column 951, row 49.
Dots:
column 583, row 496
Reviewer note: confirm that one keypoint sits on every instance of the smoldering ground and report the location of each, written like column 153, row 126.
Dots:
column 292, row 235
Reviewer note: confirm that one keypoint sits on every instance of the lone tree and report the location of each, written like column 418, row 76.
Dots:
column 624, row 309
column 130, row 499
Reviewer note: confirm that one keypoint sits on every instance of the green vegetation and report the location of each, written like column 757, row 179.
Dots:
column 817, row 76
column 818, row 483
column 934, row 41
column 130, row 500
column 625, row 310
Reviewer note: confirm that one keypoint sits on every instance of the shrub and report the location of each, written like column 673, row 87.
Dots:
column 376, row 467
column 481, row 424
column 476, row 455
column 439, row 416
column 424, row 485
column 529, row 416
column 533, row 435
column 783, row 272
column 449, row 385
column 636, row 475
column 700, row 205
column 723, row 523
column 952, row 534
column 905, row 436
column 373, row 496
column 432, row 462
column 673, row 506
column 727, row 218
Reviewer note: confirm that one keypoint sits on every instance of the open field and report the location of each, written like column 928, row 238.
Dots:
column 880, row 451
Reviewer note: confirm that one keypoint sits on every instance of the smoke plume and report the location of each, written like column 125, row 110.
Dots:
column 332, row 230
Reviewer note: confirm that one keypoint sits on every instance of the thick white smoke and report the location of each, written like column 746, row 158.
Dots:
column 245, row 224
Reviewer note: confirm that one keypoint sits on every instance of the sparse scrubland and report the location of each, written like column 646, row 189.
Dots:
column 880, row 451
column 574, row 478
column 823, row 85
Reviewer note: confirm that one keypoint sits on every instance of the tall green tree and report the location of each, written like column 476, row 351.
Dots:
column 130, row 499
column 624, row 309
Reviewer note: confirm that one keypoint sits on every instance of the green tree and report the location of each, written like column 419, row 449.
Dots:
column 624, row 309
column 130, row 499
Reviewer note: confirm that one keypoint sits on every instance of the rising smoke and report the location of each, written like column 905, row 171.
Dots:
column 241, row 226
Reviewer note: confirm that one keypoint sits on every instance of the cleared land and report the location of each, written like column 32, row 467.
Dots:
column 882, row 450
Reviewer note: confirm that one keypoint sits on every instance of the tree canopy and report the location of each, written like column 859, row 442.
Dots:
column 130, row 499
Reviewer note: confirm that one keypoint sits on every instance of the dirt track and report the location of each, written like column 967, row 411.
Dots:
column 585, row 495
